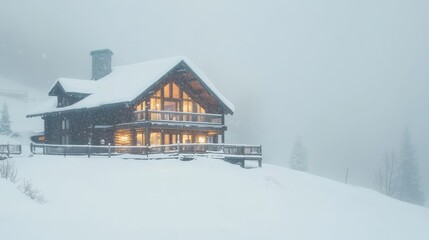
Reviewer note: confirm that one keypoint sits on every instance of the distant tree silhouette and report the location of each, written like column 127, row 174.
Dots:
column 387, row 174
column 299, row 157
column 5, row 121
column 409, row 180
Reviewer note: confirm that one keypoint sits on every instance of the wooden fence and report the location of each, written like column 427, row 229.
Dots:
column 230, row 152
column 10, row 149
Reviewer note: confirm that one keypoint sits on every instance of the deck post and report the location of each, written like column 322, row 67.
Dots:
column 44, row 149
column 89, row 150
column 260, row 163
column 146, row 112
column 178, row 147
column 147, row 136
column 147, row 150
column 8, row 149
column 109, row 150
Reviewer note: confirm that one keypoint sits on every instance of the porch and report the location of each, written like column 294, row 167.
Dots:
column 233, row 153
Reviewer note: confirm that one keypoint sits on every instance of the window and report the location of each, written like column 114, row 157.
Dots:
column 167, row 139
column 140, row 137
column 173, row 99
column 123, row 137
column 186, row 96
column 200, row 109
column 155, row 104
column 155, row 138
column 65, row 124
column 167, row 91
column 186, row 138
column 176, row 91
column 141, row 106
column 171, row 106
column 187, row 106
column 173, row 139
column 201, row 139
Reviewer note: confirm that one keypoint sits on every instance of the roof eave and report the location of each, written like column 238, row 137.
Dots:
column 75, row 110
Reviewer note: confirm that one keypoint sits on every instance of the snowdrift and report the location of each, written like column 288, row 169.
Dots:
column 101, row 198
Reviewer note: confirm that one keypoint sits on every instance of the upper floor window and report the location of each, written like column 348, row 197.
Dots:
column 171, row 90
column 171, row 98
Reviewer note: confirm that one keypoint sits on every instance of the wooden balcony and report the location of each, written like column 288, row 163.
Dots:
column 179, row 117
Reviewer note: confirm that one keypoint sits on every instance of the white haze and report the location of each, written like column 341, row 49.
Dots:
column 346, row 76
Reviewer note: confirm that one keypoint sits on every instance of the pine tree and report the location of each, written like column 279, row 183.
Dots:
column 409, row 180
column 299, row 157
column 5, row 121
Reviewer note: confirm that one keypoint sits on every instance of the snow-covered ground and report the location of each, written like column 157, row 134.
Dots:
column 102, row 198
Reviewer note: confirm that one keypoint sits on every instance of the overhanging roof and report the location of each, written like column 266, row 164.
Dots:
column 125, row 84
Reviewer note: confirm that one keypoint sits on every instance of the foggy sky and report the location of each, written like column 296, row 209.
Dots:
column 346, row 76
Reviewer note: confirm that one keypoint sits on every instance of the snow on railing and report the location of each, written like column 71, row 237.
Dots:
column 10, row 149
column 171, row 116
column 231, row 151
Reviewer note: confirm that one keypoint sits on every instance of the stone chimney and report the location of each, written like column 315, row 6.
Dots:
column 101, row 63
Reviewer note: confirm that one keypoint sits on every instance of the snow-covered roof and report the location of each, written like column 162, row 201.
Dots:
column 124, row 84
column 71, row 85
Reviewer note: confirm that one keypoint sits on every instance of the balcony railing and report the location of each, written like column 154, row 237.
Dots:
column 170, row 116
column 234, row 153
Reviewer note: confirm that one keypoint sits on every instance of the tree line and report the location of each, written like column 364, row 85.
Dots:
column 396, row 176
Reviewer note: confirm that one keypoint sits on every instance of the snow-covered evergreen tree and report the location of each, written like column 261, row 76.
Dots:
column 299, row 157
column 409, row 179
column 5, row 121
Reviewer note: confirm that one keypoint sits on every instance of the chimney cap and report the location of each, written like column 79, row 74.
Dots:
column 101, row 51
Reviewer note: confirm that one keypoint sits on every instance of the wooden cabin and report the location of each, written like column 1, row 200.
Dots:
column 156, row 102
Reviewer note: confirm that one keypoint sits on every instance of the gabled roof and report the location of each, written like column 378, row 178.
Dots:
column 126, row 83
column 70, row 85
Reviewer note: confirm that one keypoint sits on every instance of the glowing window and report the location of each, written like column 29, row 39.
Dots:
column 167, row 91
column 155, row 104
column 141, row 106
column 140, row 138
column 155, row 138
column 186, row 138
column 123, row 137
column 187, row 106
column 200, row 109
column 167, row 139
column 176, row 91
column 185, row 96
column 171, row 106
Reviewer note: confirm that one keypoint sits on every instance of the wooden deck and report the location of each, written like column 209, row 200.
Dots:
column 10, row 149
column 234, row 153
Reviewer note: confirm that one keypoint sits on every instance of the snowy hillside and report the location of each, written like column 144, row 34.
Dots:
column 101, row 198
column 20, row 100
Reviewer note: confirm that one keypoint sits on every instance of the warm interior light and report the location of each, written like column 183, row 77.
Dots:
column 124, row 138
column 202, row 139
